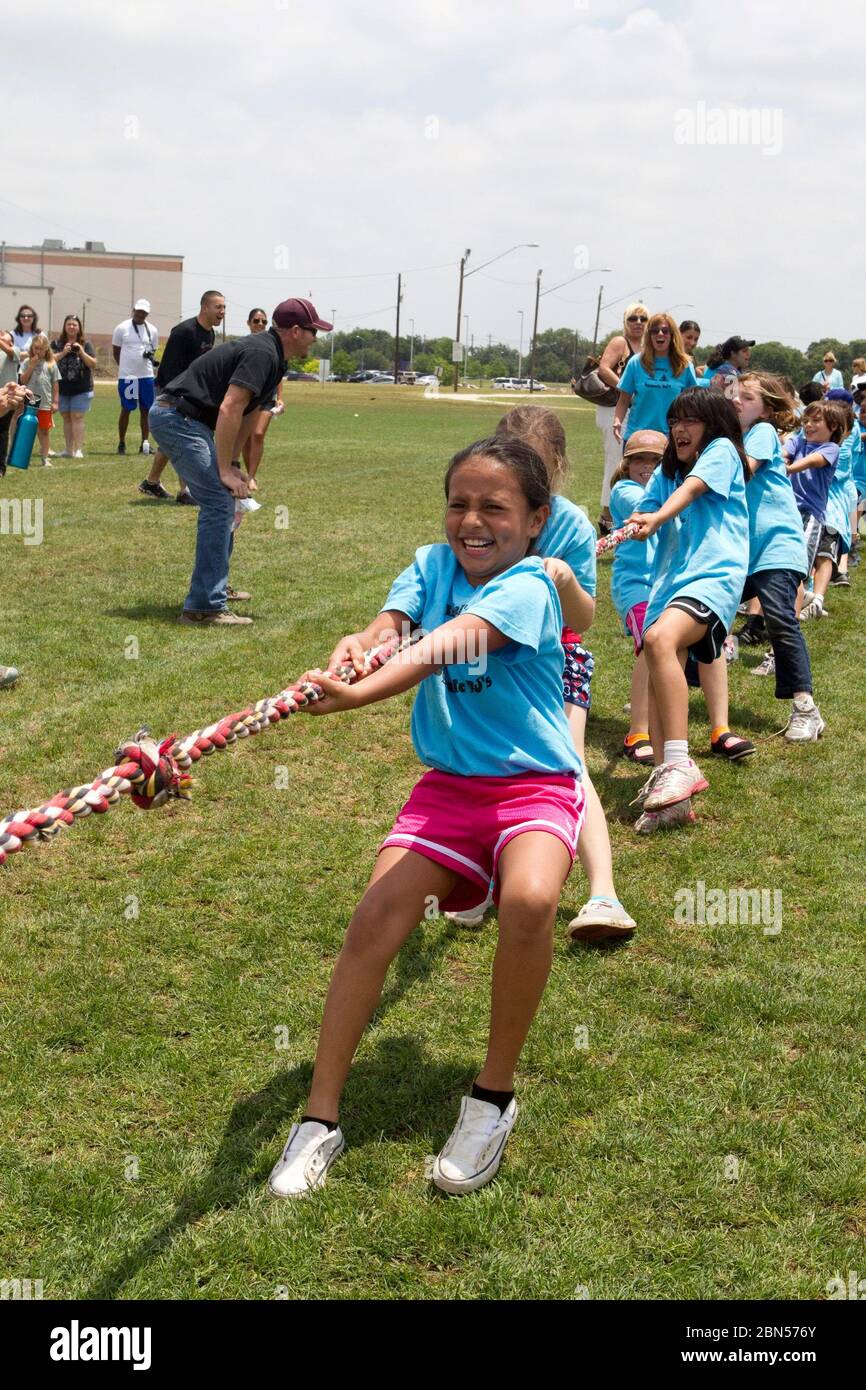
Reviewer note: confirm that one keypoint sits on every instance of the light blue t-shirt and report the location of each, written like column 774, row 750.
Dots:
column 776, row 540
column 652, row 393
column 842, row 496
column 569, row 535
column 833, row 381
column 632, row 560
column 858, row 461
column 503, row 715
column 704, row 552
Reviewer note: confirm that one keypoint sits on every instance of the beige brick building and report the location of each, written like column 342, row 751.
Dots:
column 100, row 286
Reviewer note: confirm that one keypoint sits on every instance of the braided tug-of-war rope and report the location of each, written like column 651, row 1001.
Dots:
column 151, row 772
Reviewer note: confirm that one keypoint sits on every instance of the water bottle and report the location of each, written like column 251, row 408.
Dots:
column 25, row 433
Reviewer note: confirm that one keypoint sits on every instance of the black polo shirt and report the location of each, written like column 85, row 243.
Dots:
column 255, row 363
column 186, row 343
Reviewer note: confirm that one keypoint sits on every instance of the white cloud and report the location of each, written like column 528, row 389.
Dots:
column 311, row 125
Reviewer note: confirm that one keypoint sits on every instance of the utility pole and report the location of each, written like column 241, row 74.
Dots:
column 397, row 334
column 534, row 333
column 463, row 259
column 597, row 317
column 520, row 349
column 411, row 344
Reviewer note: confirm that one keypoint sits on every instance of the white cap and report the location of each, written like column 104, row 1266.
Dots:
column 142, row 304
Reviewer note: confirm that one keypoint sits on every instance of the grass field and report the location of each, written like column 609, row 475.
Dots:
column 162, row 974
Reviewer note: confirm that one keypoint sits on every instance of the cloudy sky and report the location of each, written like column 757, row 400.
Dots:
column 318, row 147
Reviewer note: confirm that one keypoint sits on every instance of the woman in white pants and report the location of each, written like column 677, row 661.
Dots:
column 611, row 367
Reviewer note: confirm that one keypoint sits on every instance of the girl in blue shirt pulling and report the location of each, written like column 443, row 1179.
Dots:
column 696, row 502
column 501, row 804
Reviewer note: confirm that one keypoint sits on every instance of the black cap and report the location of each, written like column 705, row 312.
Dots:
column 736, row 344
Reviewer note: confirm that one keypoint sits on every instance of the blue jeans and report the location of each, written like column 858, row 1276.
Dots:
column 777, row 590
column 190, row 446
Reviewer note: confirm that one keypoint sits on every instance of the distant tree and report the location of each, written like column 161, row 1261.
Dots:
column 343, row 363
column 781, row 359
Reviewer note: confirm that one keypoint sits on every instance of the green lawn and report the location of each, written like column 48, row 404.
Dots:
column 162, row 974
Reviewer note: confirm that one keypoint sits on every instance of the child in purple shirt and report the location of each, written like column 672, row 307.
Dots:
column 810, row 459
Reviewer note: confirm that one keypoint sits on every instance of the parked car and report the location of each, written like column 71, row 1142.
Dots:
column 300, row 376
column 429, row 380
column 369, row 376
column 525, row 383
column 507, row 383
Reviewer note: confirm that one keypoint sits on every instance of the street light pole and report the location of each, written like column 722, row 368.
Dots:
column 464, row 258
column 520, row 349
column 534, row 334
column 397, row 333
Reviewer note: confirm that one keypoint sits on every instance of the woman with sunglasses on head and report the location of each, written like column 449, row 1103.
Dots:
column 652, row 381
column 257, row 322
column 26, row 327
column 617, row 353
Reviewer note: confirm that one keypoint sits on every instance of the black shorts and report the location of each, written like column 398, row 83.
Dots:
column 709, row 647
column 830, row 545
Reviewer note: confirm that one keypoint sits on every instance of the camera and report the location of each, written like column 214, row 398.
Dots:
column 150, row 356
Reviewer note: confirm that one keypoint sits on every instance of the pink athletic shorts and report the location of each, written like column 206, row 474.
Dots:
column 634, row 620
column 464, row 823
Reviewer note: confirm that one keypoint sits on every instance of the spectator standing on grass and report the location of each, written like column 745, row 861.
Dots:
column 186, row 343
column 617, row 353
column 134, row 343
column 202, row 421
column 858, row 377
column 690, row 332
column 257, row 322
column 39, row 372
column 76, row 359
column 730, row 358
column 10, row 358
column 652, row 381
column 12, row 398
column 830, row 378
column 26, row 325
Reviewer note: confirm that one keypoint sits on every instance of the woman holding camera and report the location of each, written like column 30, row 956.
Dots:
column 75, row 359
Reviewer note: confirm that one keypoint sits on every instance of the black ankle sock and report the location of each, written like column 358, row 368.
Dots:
column 502, row 1099
column 330, row 1125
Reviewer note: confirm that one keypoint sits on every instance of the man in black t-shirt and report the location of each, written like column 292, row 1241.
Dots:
column 186, row 343
column 202, row 421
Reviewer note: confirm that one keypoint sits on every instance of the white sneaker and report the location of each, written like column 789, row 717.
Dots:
column 474, row 1149
column 805, row 724
column 680, row 813
column 79, row 454
column 675, row 782
column 145, row 446
column 471, row 916
column 601, row 919
column 813, row 609
column 767, row 666
column 647, row 786
column 303, row 1165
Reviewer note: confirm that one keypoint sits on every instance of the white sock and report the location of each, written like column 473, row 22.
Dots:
column 676, row 751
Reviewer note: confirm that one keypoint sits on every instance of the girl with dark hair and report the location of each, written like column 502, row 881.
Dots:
column 501, row 806
column 690, row 332
column 26, row 327
column 76, row 359
column 698, row 577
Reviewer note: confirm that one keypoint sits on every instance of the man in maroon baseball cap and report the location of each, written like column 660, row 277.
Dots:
column 300, row 312
column 202, row 420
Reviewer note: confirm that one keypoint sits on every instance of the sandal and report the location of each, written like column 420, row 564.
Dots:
column 732, row 747
column 641, row 751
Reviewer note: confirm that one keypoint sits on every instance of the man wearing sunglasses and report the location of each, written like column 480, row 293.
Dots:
column 186, row 343
column 202, row 421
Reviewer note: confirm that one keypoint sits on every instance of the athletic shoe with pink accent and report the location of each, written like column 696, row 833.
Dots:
column 675, row 782
column 680, row 813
